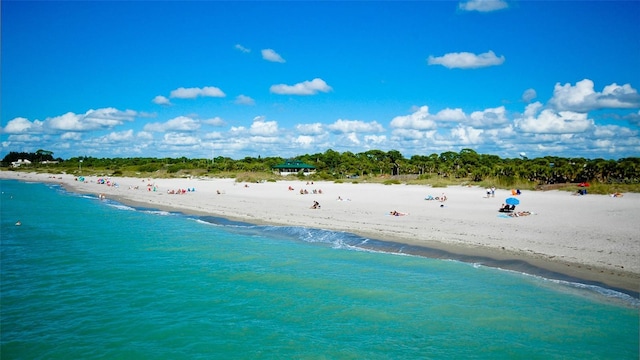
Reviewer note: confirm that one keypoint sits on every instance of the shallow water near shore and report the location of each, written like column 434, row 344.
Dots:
column 87, row 278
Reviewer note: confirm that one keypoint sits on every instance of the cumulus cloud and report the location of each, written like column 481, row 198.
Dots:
column 192, row 93
column 489, row 118
column 304, row 140
column 583, row 98
column 242, row 48
column 271, row 55
column 22, row 125
column 262, row 127
column 614, row 131
column 419, row 120
column 105, row 118
column 161, row 100
column 633, row 118
column 304, row 88
column 467, row 135
column 73, row 136
column 529, row 95
column 180, row 123
column 120, row 136
column 483, row 5
column 349, row 126
column 455, row 115
column 466, row 60
column 375, row 139
column 216, row 121
column 310, row 129
column 244, row 100
column 180, row 139
column 551, row 122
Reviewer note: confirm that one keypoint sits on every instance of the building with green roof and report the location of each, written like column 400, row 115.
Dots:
column 294, row 167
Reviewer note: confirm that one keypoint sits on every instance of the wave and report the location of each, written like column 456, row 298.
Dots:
column 353, row 242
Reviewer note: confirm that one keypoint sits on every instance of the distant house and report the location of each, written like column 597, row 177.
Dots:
column 49, row 162
column 294, row 167
column 20, row 162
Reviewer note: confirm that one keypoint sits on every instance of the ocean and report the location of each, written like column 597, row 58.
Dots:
column 86, row 278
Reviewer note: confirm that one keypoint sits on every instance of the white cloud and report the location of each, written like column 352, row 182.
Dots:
column 192, row 93
column 450, row 115
column 349, row 126
column 353, row 138
column 244, row 100
column 409, row 134
column 483, row 5
column 310, row 129
column 466, row 60
column 304, row 140
column 161, row 100
column 489, row 118
column 613, row 131
column 375, row 139
column 550, row 122
column 529, row 95
column 419, row 120
column 304, row 88
column 271, row 55
column 22, row 125
column 180, row 123
column 144, row 135
column 633, row 118
column 105, row 118
column 180, row 139
column 73, row 136
column 583, row 98
column 467, row 135
column 242, row 48
column 261, row 127
column 120, row 136
column 216, row 121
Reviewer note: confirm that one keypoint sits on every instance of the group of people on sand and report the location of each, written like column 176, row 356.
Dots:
column 519, row 213
column 181, row 191
column 314, row 191
column 441, row 198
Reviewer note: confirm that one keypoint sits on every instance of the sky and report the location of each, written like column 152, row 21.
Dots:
column 240, row 79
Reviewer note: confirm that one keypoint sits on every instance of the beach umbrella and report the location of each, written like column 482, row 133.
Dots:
column 512, row 201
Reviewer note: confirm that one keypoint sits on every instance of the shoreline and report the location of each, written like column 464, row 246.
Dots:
column 474, row 232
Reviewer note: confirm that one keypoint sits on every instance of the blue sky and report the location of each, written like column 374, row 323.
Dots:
column 241, row 78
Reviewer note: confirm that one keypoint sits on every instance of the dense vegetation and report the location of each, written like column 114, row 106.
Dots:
column 466, row 166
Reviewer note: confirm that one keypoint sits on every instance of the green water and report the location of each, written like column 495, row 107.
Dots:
column 88, row 279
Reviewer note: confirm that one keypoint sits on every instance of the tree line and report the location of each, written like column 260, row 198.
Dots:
column 466, row 164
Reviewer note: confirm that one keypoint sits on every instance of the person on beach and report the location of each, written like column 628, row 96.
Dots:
column 397, row 213
column 316, row 205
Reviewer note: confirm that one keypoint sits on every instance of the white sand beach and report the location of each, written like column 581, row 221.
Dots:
column 591, row 237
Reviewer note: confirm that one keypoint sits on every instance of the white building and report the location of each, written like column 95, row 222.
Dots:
column 20, row 162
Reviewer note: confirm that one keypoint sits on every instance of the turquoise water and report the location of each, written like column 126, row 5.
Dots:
column 90, row 279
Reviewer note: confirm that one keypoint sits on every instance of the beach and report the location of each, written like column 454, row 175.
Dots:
column 591, row 237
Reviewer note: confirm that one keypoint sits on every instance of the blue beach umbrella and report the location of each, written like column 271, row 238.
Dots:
column 512, row 201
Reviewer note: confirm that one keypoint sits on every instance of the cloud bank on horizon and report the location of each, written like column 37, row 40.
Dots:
column 494, row 76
